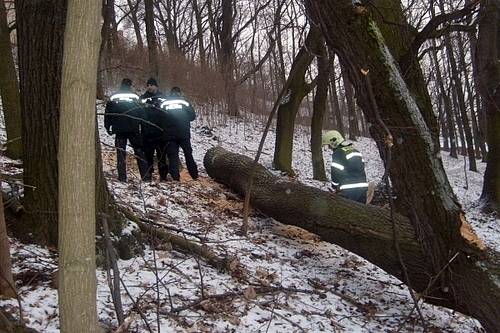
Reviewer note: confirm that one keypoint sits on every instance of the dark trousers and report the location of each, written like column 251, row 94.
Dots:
column 121, row 154
column 152, row 146
column 356, row 194
column 173, row 158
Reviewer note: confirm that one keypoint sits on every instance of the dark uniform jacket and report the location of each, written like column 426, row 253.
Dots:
column 152, row 98
column 153, row 115
column 348, row 168
column 123, row 104
column 179, row 114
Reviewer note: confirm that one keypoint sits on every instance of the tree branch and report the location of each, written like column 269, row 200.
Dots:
column 430, row 29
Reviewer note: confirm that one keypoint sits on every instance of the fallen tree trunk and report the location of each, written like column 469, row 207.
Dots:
column 365, row 230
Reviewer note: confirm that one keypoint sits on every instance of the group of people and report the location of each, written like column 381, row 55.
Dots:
column 155, row 123
column 151, row 123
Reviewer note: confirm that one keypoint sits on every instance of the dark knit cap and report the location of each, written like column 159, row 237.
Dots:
column 175, row 91
column 152, row 82
column 126, row 83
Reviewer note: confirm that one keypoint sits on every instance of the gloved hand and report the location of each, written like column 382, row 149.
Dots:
column 109, row 131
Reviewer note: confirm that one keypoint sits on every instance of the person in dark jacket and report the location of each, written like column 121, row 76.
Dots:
column 152, row 132
column 347, row 168
column 123, row 115
column 177, row 131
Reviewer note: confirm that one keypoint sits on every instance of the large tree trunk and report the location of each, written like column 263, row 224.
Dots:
column 9, row 90
column 287, row 111
column 448, row 113
column 351, row 107
column 392, row 101
column 77, row 280
column 199, row 33
column 226, row 56
column 135, row 22
column 40, row 32
column 488, row 64
column 319, row 110
column 365, row 230
column 151, row 38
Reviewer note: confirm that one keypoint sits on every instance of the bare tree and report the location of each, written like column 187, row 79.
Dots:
column 488, row 64
column 9, row 90
column 77, row 280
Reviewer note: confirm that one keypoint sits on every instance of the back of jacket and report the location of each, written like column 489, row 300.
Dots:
column 123, row 113
column 179, row 114
column 347, row 166
column 156, row 118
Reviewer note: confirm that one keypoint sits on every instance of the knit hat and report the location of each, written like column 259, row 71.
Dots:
column 126, row 83
column 175, row 91
column 152, row 82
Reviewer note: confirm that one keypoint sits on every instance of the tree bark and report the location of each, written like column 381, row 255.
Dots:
column 450, row 124
column 351, row 107
column 40, row 32
column 77, row 280
column 9, row 90
column 319, row 110
column 226, row 56
column 6, row 280
column 488, row 64
column 365, row 230
column 336, row 110
column 481, row 127
column 287, row 111
column 135, row 22
column 151, row 38
column 199, row 33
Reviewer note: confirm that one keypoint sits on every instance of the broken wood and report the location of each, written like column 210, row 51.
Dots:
column 365, row 230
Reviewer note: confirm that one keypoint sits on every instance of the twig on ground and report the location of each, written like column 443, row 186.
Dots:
column 114, row 286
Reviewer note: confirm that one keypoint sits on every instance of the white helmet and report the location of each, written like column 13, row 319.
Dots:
column 332, row 138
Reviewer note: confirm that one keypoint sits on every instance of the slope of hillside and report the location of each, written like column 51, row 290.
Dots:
column 282, row 279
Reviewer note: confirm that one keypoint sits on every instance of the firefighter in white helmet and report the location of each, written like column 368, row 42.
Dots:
column 347, row 168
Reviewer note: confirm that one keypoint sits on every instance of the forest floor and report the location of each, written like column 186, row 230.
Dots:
column 284, row 279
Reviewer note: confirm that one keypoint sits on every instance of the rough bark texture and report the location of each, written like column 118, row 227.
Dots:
column 319, row 110
column 367, row 231
column 488, row 63
column 9, row 90
column 287, row 112
column 77, row 280
column 40, row 30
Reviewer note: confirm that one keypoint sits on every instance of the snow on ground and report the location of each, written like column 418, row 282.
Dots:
column 284, row 279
